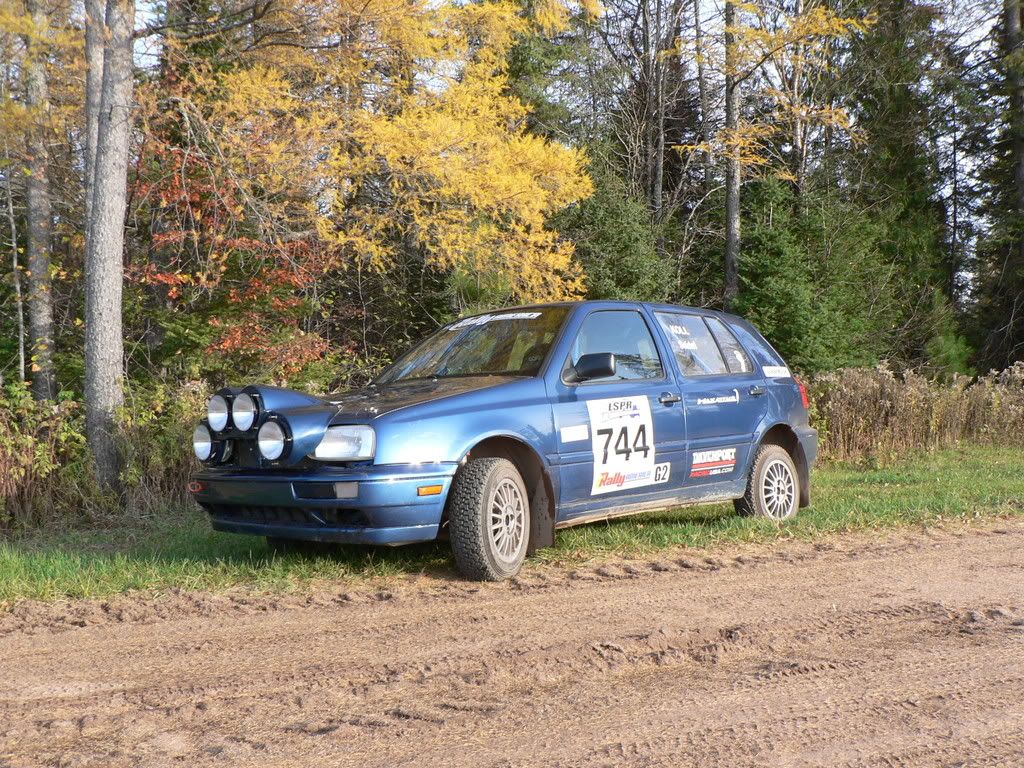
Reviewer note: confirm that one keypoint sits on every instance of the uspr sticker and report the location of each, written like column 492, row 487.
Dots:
column 622, row 439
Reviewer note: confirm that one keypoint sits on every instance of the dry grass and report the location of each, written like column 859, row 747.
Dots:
column 874, row 414
column 862, row 415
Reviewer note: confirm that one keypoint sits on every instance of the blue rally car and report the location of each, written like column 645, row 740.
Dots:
column 502, row 427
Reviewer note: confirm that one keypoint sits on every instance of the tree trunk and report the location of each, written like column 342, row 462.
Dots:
column 38, row 213
column 95, row 13
column 799, row 153
column 104, row 267
column 704, row 97
column 658, row 73
column 19, row 304
column 732, row 163
column 1016, row 75
column 648, row 113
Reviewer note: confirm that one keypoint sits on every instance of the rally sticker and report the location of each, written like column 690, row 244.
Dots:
column 719, row 461
column 469, row 322
column 622, row 439
column 775, row 371
column 720, row 399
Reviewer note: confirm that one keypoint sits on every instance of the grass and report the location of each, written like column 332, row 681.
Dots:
column 180, row 551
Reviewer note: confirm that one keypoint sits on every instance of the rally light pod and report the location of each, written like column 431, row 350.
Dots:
column 273, row 439
column 245, row 411
column 218, row 412
column 207, row 448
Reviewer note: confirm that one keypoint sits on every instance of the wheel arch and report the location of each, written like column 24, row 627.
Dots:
column 782, row 435
column 535, row 475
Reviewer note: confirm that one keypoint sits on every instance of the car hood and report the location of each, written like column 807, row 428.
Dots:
column 379, row 399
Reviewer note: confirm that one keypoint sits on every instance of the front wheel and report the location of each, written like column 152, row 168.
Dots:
column 773, row 489
column 489, row 519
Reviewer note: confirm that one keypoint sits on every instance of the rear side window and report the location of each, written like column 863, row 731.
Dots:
column 735, row 356
column 625, row 334
column 761, row 350
column 692, row 344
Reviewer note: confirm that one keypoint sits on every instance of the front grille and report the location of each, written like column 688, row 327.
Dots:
column 305, row 516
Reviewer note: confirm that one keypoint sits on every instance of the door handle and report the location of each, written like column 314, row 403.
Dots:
column 757, row 390
column 667, row 398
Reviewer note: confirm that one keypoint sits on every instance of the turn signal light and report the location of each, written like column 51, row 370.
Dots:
column 429, row 490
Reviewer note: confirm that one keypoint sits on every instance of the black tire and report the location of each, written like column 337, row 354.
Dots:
column 486, row 552
column 773, row 486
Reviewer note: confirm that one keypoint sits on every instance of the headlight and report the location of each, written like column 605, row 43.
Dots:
column 243, row 412
column 217, row 413
column 346, row 444
column 271, row 439
column 202, row 443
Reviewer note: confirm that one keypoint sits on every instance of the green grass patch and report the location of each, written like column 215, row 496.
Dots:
column 180, row 550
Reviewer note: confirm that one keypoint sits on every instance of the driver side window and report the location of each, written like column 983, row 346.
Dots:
column 623, row 333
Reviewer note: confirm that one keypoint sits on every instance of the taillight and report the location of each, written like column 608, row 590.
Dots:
column 803, row 394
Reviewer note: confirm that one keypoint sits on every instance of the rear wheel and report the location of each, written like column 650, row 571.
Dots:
column 773, row 488
column 489, row 519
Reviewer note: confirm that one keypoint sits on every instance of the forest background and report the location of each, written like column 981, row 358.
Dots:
column 195, row 193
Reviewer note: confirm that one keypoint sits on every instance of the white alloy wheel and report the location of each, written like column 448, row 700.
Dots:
column 778, row 490
column 507, row 527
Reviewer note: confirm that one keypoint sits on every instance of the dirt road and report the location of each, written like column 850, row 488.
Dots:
column 862, row 651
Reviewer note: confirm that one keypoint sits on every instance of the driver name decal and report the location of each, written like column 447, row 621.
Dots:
column 720, row 399
column 622, row 440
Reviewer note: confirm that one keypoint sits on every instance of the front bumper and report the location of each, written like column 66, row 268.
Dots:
column 371, row 505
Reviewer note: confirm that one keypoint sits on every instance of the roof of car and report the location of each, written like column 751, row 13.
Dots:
column 615, row 303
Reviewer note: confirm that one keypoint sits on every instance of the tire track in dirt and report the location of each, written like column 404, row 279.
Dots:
column 859, row 651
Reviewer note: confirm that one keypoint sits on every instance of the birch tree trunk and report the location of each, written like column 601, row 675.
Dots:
column 12, row 223
column 732, row 162
column 19, row 305
column 38, row 212
column 104, row 271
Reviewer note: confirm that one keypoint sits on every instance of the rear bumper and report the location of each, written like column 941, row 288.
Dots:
column 375, row 505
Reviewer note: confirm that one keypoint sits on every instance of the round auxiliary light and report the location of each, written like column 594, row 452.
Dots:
column 202, row 443
column 243, row 412
column 271, row 440
column 217, row 413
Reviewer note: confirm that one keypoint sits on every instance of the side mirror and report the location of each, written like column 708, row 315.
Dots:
column 597, row 365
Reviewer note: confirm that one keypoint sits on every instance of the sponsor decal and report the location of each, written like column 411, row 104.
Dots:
column 720, row 399
column 718, row 461
column 575, row 433
column 775, row 371
column 614, row 481
column 687, row 344
column 622, row 441
column 679, row 330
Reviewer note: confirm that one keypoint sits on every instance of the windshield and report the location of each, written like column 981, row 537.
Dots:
column 497, row 344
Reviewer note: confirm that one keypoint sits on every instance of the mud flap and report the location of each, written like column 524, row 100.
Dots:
column 542, row 521
column 804, row 473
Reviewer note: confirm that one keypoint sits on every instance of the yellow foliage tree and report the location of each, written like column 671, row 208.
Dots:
column 790, row 52
column 386, row 131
